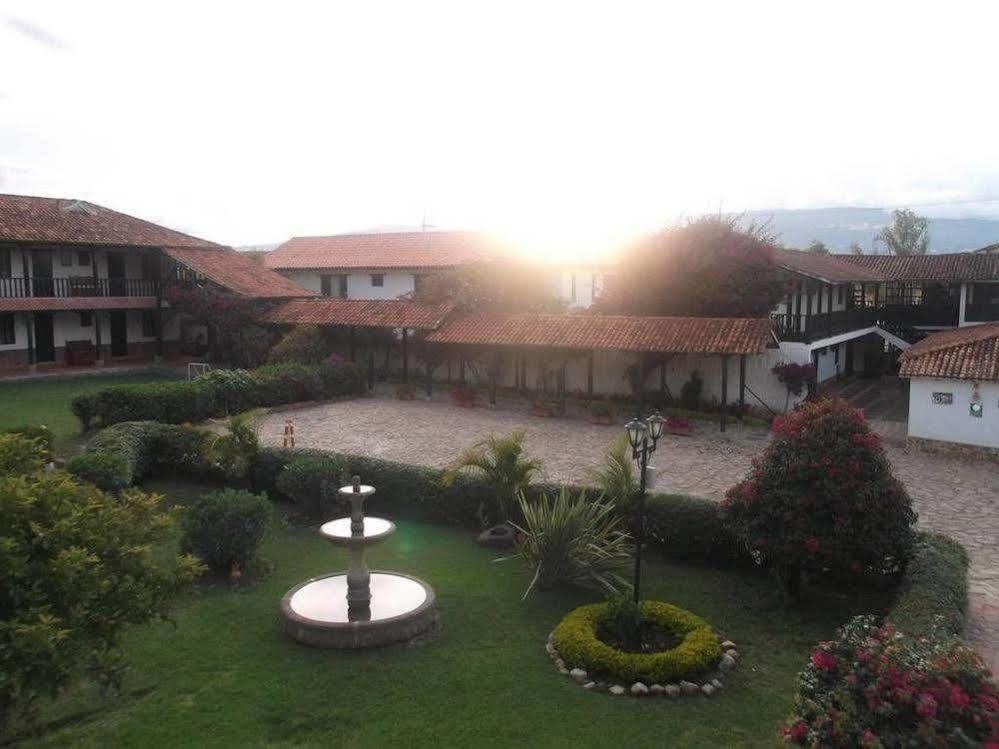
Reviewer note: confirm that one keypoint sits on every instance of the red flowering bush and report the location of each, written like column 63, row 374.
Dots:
column 795, row 377
column 876, row 688
column 822, row 498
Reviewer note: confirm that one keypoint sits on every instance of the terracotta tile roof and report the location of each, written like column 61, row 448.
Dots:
column 954, row 266
column 366, row 313
column 689, row 335
column 57, row 304
column 239, row 274
column 55, row 220
column 415, row 250
column 828, row 268
column 970, row 353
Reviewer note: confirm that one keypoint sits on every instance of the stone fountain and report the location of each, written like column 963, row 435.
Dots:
column 358, row 608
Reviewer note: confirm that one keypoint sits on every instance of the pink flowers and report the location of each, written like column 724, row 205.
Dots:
column 959, row 698
column 824, row 661
column 812, row 544
column 926, row 706
column 796, row 733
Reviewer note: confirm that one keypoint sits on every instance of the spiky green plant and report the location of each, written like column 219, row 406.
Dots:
column 567, row 539
column 617, row 478
column 501, row 462
column 234, row 452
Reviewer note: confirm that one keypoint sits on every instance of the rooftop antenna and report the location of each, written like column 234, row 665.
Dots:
column 423, row 224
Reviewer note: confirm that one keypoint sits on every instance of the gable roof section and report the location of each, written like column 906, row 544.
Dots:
column 970, row 353
column 239, row 274
column 365, row 313
column 687, row 335
column 410, row 250
column 828, row 268
column 57, row 221
column 954, row 266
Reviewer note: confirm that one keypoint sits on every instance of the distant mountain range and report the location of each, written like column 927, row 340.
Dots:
column 839, row 227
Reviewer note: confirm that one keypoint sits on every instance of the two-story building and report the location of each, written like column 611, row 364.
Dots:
column 83, row 284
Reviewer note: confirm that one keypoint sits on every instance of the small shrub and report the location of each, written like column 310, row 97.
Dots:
column 234, row 388
column 108, row 471
column 622, row 622
column 38, row 432
column 934, row 589
column 501, row 464
column 822, row 498
column 617, row 477
column 233, row 453
column 570, row 540
column 20, row 455
column 78, row 567
column 578, row 643
column 312, row 482
column 304, row 344
column 874, row 687
column 794, row 377
column 224, row 529
column 249, row 346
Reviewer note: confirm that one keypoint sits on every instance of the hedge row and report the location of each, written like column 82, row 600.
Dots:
column 935, row 584
column 217, row 393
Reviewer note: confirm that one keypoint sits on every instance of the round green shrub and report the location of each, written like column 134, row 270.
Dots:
column 312, row 482
column 38, row 432
column 225, row 528
column 109, row 471
column 304, row 344
column 577, row 643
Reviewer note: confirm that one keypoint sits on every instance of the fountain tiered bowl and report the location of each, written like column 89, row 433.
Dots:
column 358, row 608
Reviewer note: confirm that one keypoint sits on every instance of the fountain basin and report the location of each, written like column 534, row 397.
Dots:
column 316, row 613
column 338, row 531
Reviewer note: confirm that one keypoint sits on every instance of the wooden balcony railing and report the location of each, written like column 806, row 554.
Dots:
column 981, row 312
column 77, row 286
column 811, row 328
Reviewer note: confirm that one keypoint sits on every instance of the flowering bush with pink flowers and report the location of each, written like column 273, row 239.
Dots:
column 876, row 688
column 822, row 498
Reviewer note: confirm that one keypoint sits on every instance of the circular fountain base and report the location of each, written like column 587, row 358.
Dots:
column 315, row 612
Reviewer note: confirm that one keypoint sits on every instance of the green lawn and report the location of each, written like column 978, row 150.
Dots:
column 46, row 401
column 223, row 674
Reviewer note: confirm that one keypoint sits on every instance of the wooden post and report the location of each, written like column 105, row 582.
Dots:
column 662, row 380
column 641, row 383
column 561, row 387
column 371, row 364
column 30, row 325
column 589, row 375
column 724, row 392
column 461, row 370
column 405, row 355
column 742, row 379
column 430, row 373
column 159, row 304
column 97, row 334
column 353, row 345
column 493, row 367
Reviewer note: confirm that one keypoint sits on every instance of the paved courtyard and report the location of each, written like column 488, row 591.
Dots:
column 955, row 495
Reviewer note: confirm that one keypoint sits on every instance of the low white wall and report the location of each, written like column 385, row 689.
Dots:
column 953, row 422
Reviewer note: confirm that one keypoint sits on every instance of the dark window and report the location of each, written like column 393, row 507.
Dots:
column 5, row 264
column 326, row 285
column 7, row 330
column 83, row 258
column 377, row 279
column 148, row 324
column 341, row 291
column 66, row 258
column 86, row 318
column 839, row 295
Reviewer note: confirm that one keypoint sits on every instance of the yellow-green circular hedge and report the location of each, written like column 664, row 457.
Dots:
column 575, row 639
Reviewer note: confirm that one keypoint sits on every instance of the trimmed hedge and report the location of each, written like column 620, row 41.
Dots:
column 935, row 584
column 690, row 528
column 224, row 528
column 578, row 645
column 218, row 393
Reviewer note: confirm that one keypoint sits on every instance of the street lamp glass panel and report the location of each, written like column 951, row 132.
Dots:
column 636, row 432
column 655, row 422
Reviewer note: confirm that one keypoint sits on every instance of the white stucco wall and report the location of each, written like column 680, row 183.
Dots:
column 954, row 422
column 396, row 283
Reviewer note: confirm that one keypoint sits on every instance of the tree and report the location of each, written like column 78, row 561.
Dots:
column 856, row 249
column 233, row 336
column 79, row 566
column 709, row 267
column 817, row 246
column 493, row 285
column 908, row 233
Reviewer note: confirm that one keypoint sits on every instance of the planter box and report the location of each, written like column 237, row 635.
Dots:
column 679, row 426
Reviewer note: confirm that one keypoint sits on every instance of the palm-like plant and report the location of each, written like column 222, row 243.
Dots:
column 617, row 478
column 568, row 539
column 501, row 462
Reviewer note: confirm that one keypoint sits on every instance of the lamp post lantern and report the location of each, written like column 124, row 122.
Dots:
column 643, row 434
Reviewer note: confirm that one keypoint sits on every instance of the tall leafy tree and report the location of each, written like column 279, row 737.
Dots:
column 708, row 267
column 856, row 249
column 818, row 246
column 908, row 233
column 503, row 285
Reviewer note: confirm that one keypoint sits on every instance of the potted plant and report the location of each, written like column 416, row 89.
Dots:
column 405, row 392
column 601, row 413
column 463, row 396
column 540, row 408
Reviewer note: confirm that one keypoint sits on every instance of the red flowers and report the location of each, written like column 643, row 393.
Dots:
column 926, row 706
column 812, row 544
column 824, row 661
column 959, row 698
column 796, row 733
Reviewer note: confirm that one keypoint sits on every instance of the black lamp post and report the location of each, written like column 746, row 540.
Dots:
column 643, row 434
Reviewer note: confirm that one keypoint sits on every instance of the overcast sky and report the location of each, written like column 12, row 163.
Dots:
column 245, row 122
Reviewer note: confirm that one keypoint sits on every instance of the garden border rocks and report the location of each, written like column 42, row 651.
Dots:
column 709, row 686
